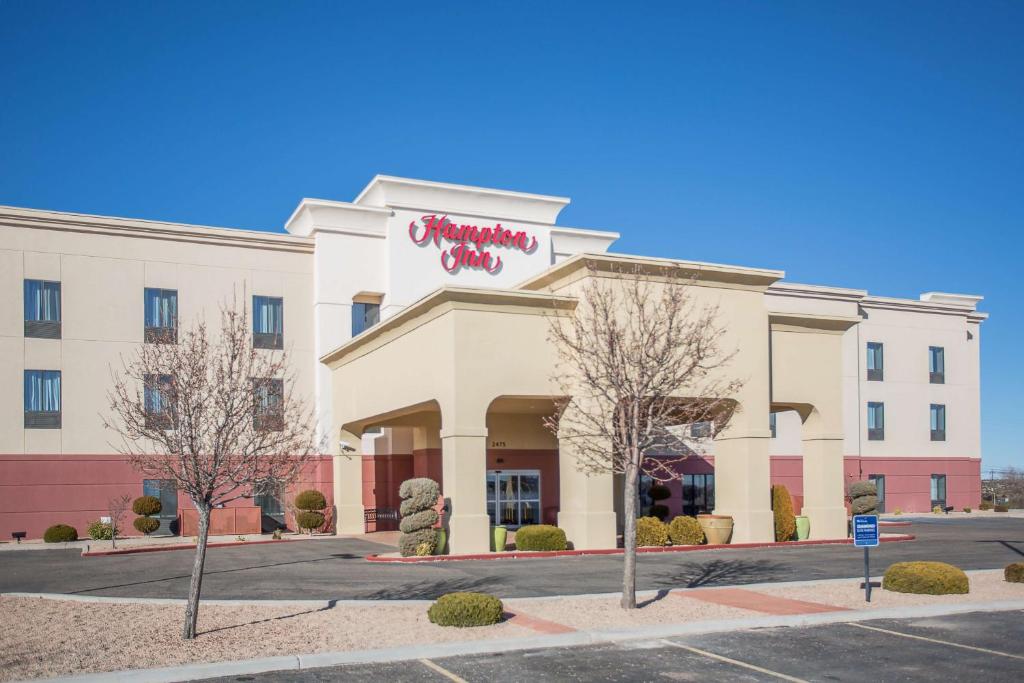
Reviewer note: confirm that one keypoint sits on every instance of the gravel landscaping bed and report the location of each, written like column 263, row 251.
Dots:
column 605, row 613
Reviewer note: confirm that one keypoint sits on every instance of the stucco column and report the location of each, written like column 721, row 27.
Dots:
column 586, row 502
column 464, row 470
column 824, row 486
column 348, row 486
column 743, row 484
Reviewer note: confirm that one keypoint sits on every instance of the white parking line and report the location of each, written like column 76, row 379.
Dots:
column 735, row 662
column 441, row 670
column 934, row 640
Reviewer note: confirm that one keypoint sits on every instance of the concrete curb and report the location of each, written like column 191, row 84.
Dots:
column 540, row 554
column 314, row 661
column 177, row 546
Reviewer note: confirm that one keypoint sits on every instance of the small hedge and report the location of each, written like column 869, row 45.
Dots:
column 967, row 510
column 146, row 525
column 782, row 507
column 1001, row 508
column 927, row 578
column 651, row 531
column 1014, row 573
column 100, row 531
column 146, row 505
column 60, row 533
column 540, row 537
column 310, row 500
column 309, row 519
column 985, row 505
column 466, row 609
column 685, row 531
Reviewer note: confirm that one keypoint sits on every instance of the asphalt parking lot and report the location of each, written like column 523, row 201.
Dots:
column 977, row 646
column 335, row 569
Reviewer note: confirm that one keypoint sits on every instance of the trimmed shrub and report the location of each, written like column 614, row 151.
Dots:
column 859, row 489
column 540, row 537
column 686, row 531
column 146, row 505
column 146, row 525
column 928, row 578
column 1001, row 508
column 309, row 519
column 967, row 510
column 419, row 496
column 660, row 511
column 100, row 531
column 651, row 531
column 897, row 511
column 937, row 510
column 61, row 533
column 865, row 505
column 985, row 505
column 466, row 609
column 410, row 544
column 782, row 507
column 1014, row 573
column 310, row 500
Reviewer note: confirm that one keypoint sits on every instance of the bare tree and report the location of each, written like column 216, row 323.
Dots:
column 639, row 358
column 116, row 509
column 216, row 416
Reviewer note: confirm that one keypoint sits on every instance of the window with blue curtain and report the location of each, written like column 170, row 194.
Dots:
column 42, row 399
column 157, row 400
column 161, row 315
column 42, row 309
column 268, row 322
column 364, row 316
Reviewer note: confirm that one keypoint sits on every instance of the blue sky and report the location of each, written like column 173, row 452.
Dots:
column 874, row 145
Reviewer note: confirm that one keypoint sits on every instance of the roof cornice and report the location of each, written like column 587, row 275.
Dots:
column 816, row 292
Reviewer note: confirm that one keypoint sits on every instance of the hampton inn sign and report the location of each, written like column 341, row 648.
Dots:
column 470, row 245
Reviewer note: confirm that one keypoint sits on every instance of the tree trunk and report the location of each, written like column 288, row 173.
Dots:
column 629, row 496
column 196, row 584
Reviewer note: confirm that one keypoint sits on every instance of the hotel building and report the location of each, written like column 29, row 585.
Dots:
column 416, row 318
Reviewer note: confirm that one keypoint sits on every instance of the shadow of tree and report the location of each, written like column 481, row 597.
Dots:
column 281, row 617
column 1009, row 545
column 720, row 572
column 433, row 589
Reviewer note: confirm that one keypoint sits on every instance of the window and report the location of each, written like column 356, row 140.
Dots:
column 939, row 490
column 364, row 316
column 698, row 494
column 268, row 414
column 875, row 362
column 513, row 497
column 700, row 430
column 876, row 421
column 938, row 422
column 879, row 481
column 42, row 399
column 42, row 309
column 271, row 505
column 936, row 365
column 165, row 491
column 267, row 322
column 772, row 425
column 158, row 398
column 161, row 323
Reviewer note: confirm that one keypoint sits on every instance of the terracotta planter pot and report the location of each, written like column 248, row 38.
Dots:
column 717, row 528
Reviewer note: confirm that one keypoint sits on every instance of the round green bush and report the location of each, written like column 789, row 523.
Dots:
column 685, row 530
column 410, row 544
column 651, row 531
column 540, row 537
column 865, row 505
column 146, row 525
column 928, row 578
column 1001, row 508
column 859, row 489
column 146, row 505
column 424, row 519
column 61, row 533
column 310, row 500
column 782, row 507
column 466, row 609
column 309, row 519
column 100, row 531
column 1014, row 573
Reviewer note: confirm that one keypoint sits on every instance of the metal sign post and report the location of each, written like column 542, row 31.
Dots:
column 865, row 535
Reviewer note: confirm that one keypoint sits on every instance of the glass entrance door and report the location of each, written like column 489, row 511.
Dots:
column 513, row 497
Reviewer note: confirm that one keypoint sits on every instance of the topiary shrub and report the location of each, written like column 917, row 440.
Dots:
column 651, row 531
column 419, row 496
column 100, row 531
column 60, row 533
column 466, row 609
column 937, row 510
column 865, row 505
column 1014, row 573
column 985, row 505
column 863, row 488
column 310, row 499
column 782, row 507
column 686, row 531
column 1001, row 508
column 147, row 505
column 146, row 525
column 928, row 578
column 967, row 510
column 310, row 520
column 540, row 537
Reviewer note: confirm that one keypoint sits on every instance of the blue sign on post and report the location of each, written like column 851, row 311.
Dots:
column 865, row 531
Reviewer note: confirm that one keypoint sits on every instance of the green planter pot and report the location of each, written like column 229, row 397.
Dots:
column 442, row 539
column 499, row 534
column 803, row 528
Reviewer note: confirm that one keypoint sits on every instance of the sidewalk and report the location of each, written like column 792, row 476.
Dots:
column 112, row 634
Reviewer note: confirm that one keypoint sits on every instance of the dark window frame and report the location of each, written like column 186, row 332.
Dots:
column 42, row 328
column 365, row 315
column 937, row 376
column 875, row 353
column 274, row 339
column 876, row 433
column 43, row 419
column 165, row 419
column 773, row 426
column 160, row 334
column 938, row 433
column 263, row 419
